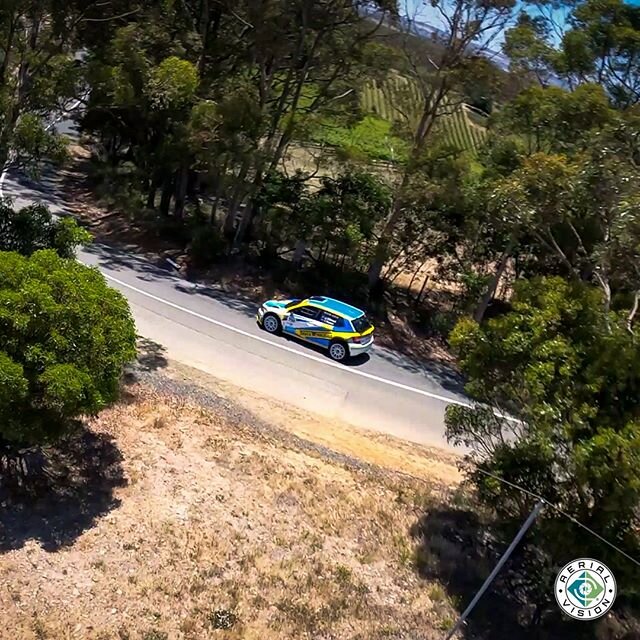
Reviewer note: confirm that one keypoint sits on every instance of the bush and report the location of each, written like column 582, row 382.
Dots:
column 64, row 338
column 33, row 228
column 207, row 246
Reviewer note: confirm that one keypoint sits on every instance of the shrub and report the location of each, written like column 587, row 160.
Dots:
column 64, row 338
column 33, row 228
column 207, row 246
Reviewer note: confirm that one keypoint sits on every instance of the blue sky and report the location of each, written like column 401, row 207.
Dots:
column 429, row 14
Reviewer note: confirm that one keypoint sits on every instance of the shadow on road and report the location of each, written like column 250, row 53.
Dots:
column 160, row 270
column 68, row 488
column 357, row 361
column 151, row 355
column 438, row 372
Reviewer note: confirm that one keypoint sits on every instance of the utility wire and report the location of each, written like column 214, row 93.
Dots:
column 561, row 512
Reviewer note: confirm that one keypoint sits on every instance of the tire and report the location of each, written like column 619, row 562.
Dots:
column 271, row 324
column 338, row 351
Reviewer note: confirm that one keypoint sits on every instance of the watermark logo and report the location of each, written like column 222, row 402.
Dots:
column 585, row 589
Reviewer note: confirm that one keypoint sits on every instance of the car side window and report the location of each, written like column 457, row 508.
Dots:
column 306, row 312
column 330, row 318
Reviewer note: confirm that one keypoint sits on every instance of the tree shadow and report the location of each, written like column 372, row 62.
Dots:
column 457, row 548
column 69, row 486
column 151, row 355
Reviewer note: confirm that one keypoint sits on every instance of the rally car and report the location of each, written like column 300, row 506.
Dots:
column 343, row 330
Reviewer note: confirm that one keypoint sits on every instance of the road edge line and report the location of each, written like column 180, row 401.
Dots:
column 284, row 347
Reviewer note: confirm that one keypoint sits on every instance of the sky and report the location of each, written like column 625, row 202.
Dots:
column 424, row 11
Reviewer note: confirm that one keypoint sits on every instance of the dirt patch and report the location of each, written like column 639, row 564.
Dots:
column 429, row 463
column 223, row 530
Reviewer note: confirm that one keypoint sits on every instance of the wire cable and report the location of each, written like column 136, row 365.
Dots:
column 561, row 512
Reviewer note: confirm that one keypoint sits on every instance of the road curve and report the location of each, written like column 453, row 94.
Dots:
column 207, row 329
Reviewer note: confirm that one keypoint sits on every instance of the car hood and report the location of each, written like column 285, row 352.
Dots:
column 277, row 304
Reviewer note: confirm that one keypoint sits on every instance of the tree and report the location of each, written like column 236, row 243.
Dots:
column 469, row 29
column 307, row 58
column 603, row 46
column 65, row 336
column 528, row 49
column 38, row 75
column 33, row 228
column 592, row 41
column 335, row 222
column 568, row 371
column 557, row 194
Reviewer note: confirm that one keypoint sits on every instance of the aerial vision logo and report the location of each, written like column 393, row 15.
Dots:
column 585, row 589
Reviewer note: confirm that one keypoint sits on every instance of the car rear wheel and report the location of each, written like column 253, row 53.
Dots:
column 338, row 351
column 271, row 323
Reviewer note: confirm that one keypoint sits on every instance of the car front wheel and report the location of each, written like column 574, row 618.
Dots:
column 338, row 351
column 271, row 323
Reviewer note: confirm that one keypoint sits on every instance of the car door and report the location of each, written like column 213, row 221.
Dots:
column 301, row 321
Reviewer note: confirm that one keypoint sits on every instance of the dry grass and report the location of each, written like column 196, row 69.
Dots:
column 436, row 466
column 220, row 533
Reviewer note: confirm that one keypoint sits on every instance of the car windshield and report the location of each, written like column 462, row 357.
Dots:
column 293, row 303
column 361, row 324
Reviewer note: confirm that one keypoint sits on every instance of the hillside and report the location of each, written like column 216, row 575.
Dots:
column 187, row 517
column 392, row 103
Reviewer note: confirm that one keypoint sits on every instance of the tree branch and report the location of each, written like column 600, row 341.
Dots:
column 632, row 313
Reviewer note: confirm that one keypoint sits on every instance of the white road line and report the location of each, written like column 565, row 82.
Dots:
column 284, row 347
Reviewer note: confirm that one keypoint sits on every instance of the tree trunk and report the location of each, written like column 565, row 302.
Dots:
column 181, row 190
column 413, row 278
column 382, row 248
column 249, row 212
column 422, row 289
column 7, row 50
column 423, row 130
column 151, row 194
column 230, row 220
column 298, row 253
column 165, row 198
column 214, row 212
column 632, row 313
column 487, row 297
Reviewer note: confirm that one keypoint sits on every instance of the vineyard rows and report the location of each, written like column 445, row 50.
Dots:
column 398, row 98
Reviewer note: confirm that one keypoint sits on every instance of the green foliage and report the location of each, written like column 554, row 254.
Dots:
column 65, row 336
column 33, row 228
column 207, row 246
column 33, row 143
column 172, row 84
column 527, row 47
column 370, row 138
column 569, row 372
column 340, row 217
column 552, row 118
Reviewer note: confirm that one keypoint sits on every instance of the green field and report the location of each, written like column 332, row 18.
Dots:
column 397, row 101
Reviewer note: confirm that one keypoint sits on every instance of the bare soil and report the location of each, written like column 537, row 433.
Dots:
column 206, row 522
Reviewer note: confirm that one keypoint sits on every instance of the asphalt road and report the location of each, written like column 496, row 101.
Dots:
column 212, row 331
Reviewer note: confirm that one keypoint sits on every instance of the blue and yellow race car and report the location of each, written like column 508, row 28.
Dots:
column 343, row 330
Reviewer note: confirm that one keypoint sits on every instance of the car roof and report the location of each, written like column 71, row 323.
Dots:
column 336, row 306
